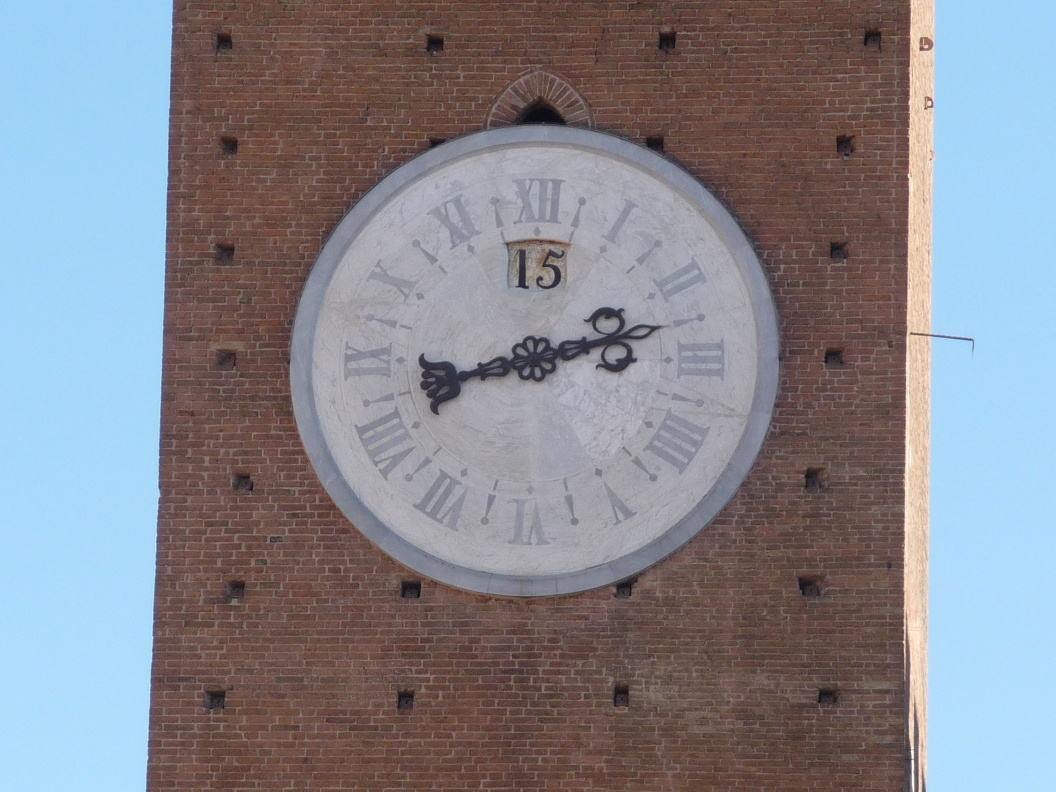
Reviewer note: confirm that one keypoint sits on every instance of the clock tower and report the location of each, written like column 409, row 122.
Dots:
column 544, row 405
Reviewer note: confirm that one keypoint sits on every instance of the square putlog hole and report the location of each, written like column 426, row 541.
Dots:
column 621, row 697
column 234, row 590
column 838, row 251
column 845, row 145
column 833, row 357
column 814, row 479
column 810, row 585
column 828, row 697
column 405, row 700
column 434, row 44
column 228, row 146
column 226, row 359
column 623, row 589
column 224, row 253
column 411, row 589
column 223, row 41
column 872, row 39
column 655, row 143
column 241, row 483
column 213, row 700
column 666, row 41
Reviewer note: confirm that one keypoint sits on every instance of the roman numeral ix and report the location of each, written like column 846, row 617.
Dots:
column 368, row 362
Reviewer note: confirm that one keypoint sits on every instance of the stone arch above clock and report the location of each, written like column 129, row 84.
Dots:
column 539, row 87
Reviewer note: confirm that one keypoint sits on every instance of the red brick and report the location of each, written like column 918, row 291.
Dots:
column 723, row 656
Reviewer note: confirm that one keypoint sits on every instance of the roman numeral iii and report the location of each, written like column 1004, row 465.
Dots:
column 386, row 442
column 702, row 360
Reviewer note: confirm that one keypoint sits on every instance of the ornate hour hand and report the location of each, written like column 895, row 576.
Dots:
column 534, row 357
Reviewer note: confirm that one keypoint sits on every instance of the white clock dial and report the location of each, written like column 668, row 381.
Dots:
column 588, row 450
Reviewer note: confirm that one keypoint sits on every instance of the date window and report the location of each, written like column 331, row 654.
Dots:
column 537, row 264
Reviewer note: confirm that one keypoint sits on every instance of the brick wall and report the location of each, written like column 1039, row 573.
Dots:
column 918, row 368
column 722, row 655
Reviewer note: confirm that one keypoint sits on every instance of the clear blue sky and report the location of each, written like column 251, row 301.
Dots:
column 83, row 113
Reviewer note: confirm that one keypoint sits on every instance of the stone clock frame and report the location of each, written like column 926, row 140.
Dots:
column 747, row 448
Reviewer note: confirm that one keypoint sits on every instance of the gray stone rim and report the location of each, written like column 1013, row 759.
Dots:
column 680, row 533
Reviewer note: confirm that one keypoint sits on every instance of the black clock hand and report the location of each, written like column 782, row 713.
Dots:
column 535, row 357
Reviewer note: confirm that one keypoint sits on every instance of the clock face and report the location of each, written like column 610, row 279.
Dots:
column 534, row 361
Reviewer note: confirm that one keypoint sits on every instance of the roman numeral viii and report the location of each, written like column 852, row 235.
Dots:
column 386, row 442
